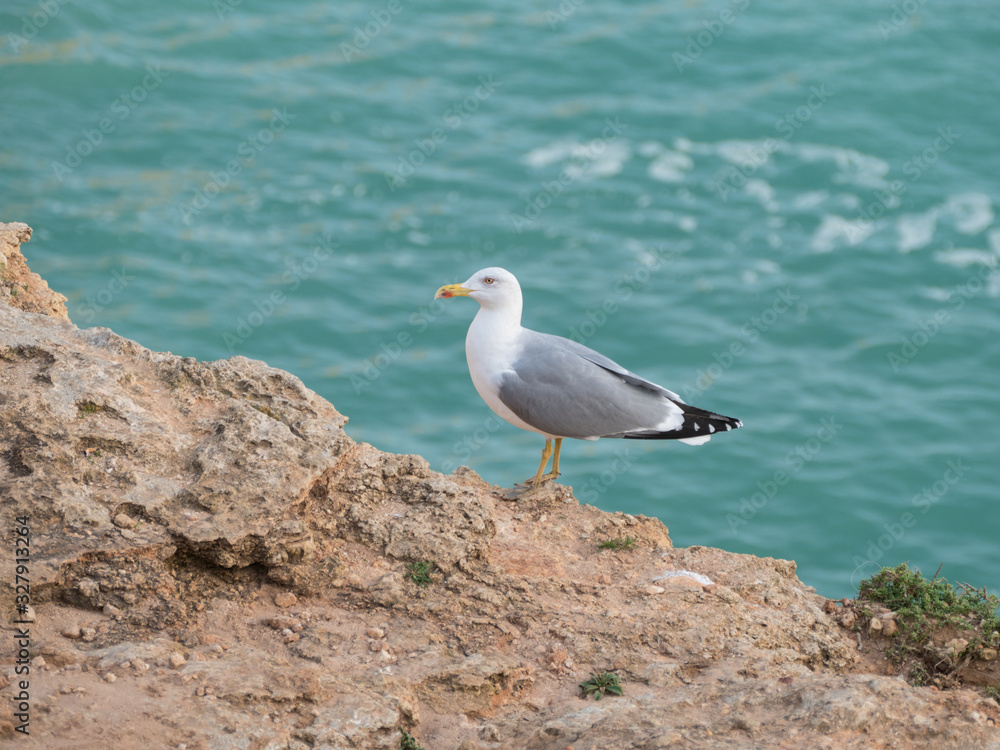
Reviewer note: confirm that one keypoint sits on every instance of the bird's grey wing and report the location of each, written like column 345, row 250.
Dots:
column 611, row 366
column 568, row 390
column 697, row 422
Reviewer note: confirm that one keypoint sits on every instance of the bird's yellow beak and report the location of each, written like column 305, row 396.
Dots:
column 452, row 290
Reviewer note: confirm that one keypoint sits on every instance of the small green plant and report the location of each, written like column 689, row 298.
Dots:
column 993, row 691
column 919, row 676
column 617, row 544
column 408, row 742
column 420, row 572
column 599, row 684
column 923, row 604
column 87, row 408
column 927, row 611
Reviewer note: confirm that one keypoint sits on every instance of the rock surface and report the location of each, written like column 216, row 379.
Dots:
column 216, row 564
column 19, row 287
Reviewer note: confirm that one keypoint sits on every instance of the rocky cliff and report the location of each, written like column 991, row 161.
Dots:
column 215, row 563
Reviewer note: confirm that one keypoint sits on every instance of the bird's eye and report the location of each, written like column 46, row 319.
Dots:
column 488, row 280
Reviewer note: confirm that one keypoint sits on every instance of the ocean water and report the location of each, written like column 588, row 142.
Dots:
column 786, row 212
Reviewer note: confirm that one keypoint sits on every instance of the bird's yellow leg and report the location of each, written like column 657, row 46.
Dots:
column 554, row 474
column 546, row 452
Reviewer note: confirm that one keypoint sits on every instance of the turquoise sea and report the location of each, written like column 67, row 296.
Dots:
column 786, row 212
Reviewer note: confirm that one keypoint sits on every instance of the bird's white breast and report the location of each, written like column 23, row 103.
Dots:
column 491, row 347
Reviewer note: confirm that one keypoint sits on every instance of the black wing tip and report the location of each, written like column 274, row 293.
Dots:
column 697, row 424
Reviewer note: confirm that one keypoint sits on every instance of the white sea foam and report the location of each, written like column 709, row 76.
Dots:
column 849, row 201
column 670, row 166
column 698, row 147
column 937, row 294
column 582, row 160
column 608, row 162
column 543, row 156
column 687, row 223
column 762, row 191
column 853, row 167
column 683, row 222
column 743, row 152
column 811, row 199
column 971, row 212
column 836, row 230
column 963, row 257
column 916, row 230
column 651, row 149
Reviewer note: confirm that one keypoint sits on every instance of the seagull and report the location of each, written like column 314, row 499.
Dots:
column 562, row 389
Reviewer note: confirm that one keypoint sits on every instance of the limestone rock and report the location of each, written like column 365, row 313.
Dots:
column 207, row 538
column 19, row 287
column 215, row 459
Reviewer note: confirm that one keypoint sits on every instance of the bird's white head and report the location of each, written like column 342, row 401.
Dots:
column 492, row 288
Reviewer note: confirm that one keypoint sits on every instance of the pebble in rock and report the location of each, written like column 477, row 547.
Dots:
column 285, row 599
